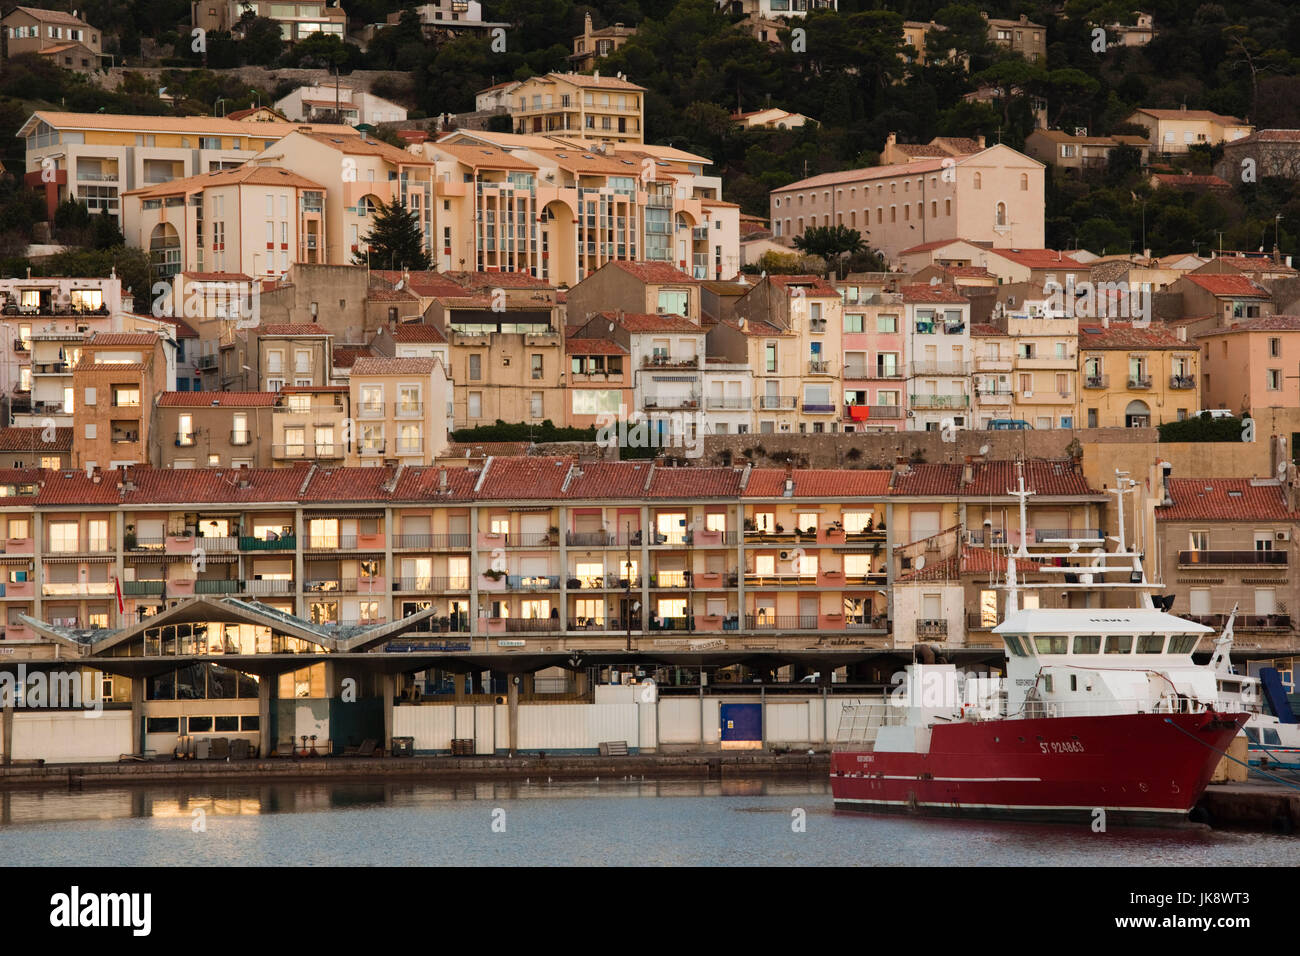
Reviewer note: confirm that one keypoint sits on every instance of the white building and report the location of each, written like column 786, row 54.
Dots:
column 939, row 358
column 309, row 104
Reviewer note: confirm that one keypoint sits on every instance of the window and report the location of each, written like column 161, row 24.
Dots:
column 887, row 323
column 239, row 428
column 474, row 405
column 1273, row 380
column 769, row 350
column 852, row 322
column 63, row 536
column 536, row 364
column 295, row 438
column 126, row 395
column 475, row 368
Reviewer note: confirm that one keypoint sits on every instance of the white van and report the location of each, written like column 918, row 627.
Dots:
column 1215, row 413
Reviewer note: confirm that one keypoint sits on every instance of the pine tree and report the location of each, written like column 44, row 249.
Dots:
column 395, row 240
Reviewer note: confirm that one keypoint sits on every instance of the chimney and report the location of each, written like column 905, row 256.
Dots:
column 586, row 25
column 442, row 475
column 1182, row 333
column 900, row 465
column 979, row 140
column 891, row 139
column 967, row 471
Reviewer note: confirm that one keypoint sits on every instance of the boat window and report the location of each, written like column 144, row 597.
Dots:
column 1119, row 644
column 1014, row 643
column 1151, row 643
column 1251, row 734
column 1087, row 644
column 1052, row 645
column 1230, row 687
column 1182, row 643
column 1272, row 737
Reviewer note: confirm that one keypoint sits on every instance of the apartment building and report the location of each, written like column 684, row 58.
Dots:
column 1135, row 377
column 66, row 39
column 212, row 430
column 1020, row 36
column 1139, row 33
column 298, row 354
column 600, row 380
column 401, row 410
column 994, row 196
column 253, row 220
column 1249, row 364
column 1079, row 151
column 939, row 357
column 593, row 45
column 875, row 361
column 96, row 157
column 1044, row 369
column 32, row 447
column 358, row 174
column 1213, row 300
column 788, row 330
column 447, row 18
column 311, row 423
column 1227, row 543
column 1173, row 131
column 591, row 202
column 338, row 104
column 113, row 382
column 297, row 20
column 602, row 108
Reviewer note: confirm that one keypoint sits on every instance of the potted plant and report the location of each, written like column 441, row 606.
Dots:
column 129, row 538
column 574, row 584
column 780, row 529
column 750, row 525
column 494, row 574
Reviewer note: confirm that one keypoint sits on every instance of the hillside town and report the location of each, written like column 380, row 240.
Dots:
column 522, row 380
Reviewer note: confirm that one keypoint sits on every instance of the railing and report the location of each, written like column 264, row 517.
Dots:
column 286, row 543
column 780, row 622
column 940, row 401
column 663, row 361
column 940, row 368
column 672, row 401
column 1232, row 557
column 1247, row 621
column 819, row 367
column 216, row 543
column 21, row 346
column 931, row 628
column 146, row 544
column 1181, row 381
column 151, row 588
column 729, row 404
column 450, row 541
column 1096, row 381
column 1140, row 381
column 975, row 621
column 269, row 586
column 408, row 409
column 527, row 625
column 532, row 582
column 410, row 447
column 370, row 409
column 777, row 402
column 873, row 412
column 1056, row 534
column 241, row 437
column 818, row 409
column 184, row 440
column 876, row 622
column 888, row 372
column 202, row 362
column 425, row 583
column 218, row 586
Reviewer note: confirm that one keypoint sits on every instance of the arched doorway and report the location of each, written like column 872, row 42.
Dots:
column 164, row 251
column 1137, row 415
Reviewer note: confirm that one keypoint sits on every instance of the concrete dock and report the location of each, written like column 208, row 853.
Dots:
column 708, row 764
column 1257, row 804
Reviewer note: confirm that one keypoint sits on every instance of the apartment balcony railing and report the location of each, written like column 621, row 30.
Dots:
column 729, row 404
column 532, row 582
column 285, row 543
column 819, row 367
column 370, row 409
column 1096, row 381
column 1244, row 621
column 203, row 362
column 410, row 446
column 778, row 402
column 869, row 413
column 1227, row 558
column 241, row 437
column 22, row 346
column 940, row 401
column 269, row 586
column 50, row 368
column 215, row 543
column 780, row 622
column 143, row 588
column 1182, row 382
column 529, row 625
column 425, row 584
column 672, row 401
column 1139, row 381
column 863, row 622
column 1042, row 535
column 976, row 621
column 454, row 542
column 940, row 368
column 409, row 409
column 218, row 586
column 931, row 628
column 887, row 372
column 184, row 439
column 664, row 361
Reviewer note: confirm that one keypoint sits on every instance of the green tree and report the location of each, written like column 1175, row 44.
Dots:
column 395, row 240
column 262, row 43
column 830, row 242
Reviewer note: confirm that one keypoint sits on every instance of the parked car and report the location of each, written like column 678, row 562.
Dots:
column 1009, row 424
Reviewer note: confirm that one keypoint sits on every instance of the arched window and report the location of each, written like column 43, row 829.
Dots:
column 978, row 180
column 1024, row 182
column 164, row 250
column 367, row 206
column 1000, row 214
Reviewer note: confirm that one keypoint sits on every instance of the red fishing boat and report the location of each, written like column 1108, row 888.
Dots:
column 1101, row 713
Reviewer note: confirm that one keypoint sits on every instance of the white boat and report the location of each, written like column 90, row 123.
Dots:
column 1270, row 740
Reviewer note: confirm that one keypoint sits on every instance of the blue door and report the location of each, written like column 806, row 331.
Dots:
column 742, row 726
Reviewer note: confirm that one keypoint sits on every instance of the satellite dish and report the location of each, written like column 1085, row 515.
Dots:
column 984, row 449
column 920, row 562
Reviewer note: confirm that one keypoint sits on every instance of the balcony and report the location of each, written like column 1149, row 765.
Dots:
column 77, row 589
column 184, row 439
column 22, row 346
column 532, row 582
column 940, row 401
column 931, row 628
column 143, row 588
column 51, row 368
column 1096, row 381
column 870, row 413
column 370, row 410
column 992, row 363
column 1181, row 382
column 1233, row 558
column 269, row 586
column 410, row 446
column 218, row 586
column 453, row 542
column 729, row 404
column 818, row 408
column 664, row 361
column 819, row 367
column 993, row 396
column 431, row 585
column 205, row 362
column 1043, row 535
column 940, row 368
column 778, row 402
column 1139, row 381
column 409, row 409
column 241, row 437
column 1244, row 621
column 285, row 543
column 672, row 401
column 526, row 625
column 780, row 622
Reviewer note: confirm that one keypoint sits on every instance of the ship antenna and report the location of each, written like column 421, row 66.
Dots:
column 1023, row 495
column 1119, row 500
column 1013, row 587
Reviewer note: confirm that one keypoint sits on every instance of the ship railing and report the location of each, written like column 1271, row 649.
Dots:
column 1167, row 704
column 860, row 723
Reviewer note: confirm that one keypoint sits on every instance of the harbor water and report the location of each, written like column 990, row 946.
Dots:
column 760, row 821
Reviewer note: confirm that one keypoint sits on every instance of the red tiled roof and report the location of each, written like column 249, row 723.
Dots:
column 972, row 561
column 921, row 292
column 1265, row 323
column 18, row 438
column 577, row 346
column 695, row 483
column 1181, row 114
column 517, row 478
column 1226, row 499
column 1040, row 258
column 658, row 273
column 123, row 338
column 368, row 365
column 1122, row 335
column 479, row 281
column 418, row 332
column 930, row 246
column 184, row 486
column 991, row 479
column 983, row 328
column 812, row 285
column 645, row 322
column 217, row 399
column 427, row 283
column 609, row 479
column 346, row 358
column 1233, row 285
column 294, row 328
column 818, row 483
column 423, row 483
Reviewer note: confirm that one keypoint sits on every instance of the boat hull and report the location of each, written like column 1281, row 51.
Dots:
column 1141, row 769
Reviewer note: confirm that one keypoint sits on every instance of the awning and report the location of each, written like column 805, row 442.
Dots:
column 84, row 559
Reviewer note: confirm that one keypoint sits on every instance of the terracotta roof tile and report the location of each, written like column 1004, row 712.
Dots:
column 646, row 322
column 1265, row 323
column 818, row 483
column 921, row 292
column 658, row 273
column 123, row 338
column 814, row 286
column 1226, row 499
column 517, row 478
column 973, row 561
column 393, row 366
column 18, row 438
column 293, row 328
column 1040, row 258
column 695, row 483
column 346, row 358
column 217, row 399
column 1234, row 285
column 418, row 332
column 609, row 479
column 996, row 478
column 576, row 346
column 1122, row 335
